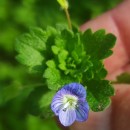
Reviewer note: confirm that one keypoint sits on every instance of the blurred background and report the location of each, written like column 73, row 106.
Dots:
column 16, row 16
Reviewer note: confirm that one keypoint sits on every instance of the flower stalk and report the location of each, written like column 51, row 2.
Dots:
column 68, row 19
column 64, row 5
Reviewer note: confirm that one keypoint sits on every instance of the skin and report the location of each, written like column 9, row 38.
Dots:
column 117, row 116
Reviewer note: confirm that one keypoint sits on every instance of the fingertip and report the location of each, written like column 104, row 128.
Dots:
column 120, row 115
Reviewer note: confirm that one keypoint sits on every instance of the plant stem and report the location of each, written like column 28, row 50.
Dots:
column 68, row 19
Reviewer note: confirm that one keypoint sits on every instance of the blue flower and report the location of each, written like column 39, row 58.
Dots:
column 70, row 104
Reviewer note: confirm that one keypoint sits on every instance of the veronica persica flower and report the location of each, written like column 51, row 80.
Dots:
column 70, row 104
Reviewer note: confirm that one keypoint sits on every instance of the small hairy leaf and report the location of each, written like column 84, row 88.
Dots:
column 29, row 56
column 55, row 49
column 46, row 99
column 99, row 92
column 123, row 78
column 53, row 77
column 51, row 64
column 98, row 44
column 9, row 92
column 38, row 102
column 30, row 47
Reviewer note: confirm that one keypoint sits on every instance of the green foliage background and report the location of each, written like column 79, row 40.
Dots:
column 16, row 16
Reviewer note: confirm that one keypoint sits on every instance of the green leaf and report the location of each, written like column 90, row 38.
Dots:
column 98, row 45
column 36, row 38
column 29, row 46
column 123, row 78
column 46, row 99
column 9, row 92
column 98, row 94
column 55, row 49
column 29, row 56
column 88, row 75
column 52, row 76
column 62, row 66
column 38, row 102
column 55, row 80
column 51, row 31
column 69, row 40
column 16, row 90
column 62, row 56
column 98, row 69
column 51, row 64
column 86, row 64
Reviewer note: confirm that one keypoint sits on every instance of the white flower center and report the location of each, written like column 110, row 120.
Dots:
column 70, row 101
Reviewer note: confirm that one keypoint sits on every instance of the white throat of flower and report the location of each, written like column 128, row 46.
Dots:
column 69, row 102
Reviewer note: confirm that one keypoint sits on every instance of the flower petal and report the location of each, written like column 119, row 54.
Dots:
column 76, row 89
column 56, row 105
column 82, row 111
column 67, row 116
column 57, row 102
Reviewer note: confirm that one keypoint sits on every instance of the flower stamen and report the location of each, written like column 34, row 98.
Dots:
column 70, row 101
